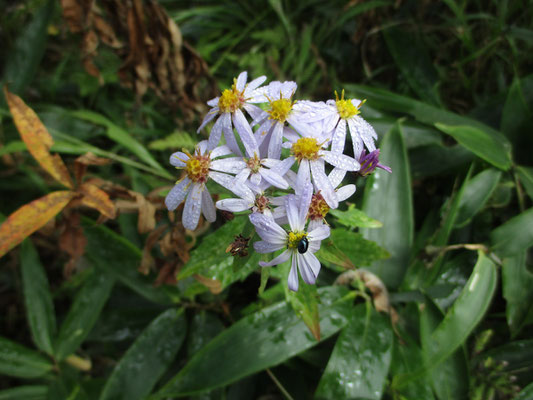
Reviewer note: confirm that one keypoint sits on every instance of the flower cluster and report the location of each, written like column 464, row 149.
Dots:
column 254, row 166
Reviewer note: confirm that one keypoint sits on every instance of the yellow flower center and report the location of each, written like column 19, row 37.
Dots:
column 280, row 109
column 318, row 208
column 346, row 108
column 294, row 239
column 306, row 148
column 197, row 167
column 231, row 99
column 254, row 163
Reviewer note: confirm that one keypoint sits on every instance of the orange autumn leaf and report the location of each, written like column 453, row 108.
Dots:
column 94, row 197
column 37, row 139
column 30, row 217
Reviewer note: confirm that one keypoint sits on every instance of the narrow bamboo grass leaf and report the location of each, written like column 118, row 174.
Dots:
column 525, row 174
column 476, row 193
column 359, row 364
column 389, row 101
column 388, row 198
column 462, row 317
column 31, row 217
column 119, row 135
column 148, row 358
column 37, row 139
column 37, row 298
column 517, row 290
column 258, row 341
column 21, row 362
column 526, row 393
column 119, row 258
column 513, row 236
column 479, row 142
column 13, row 147
column 83, row 313
column 451, row 379
column 29, row 392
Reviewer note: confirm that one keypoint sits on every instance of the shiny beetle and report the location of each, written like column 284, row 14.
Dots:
column 303, row 245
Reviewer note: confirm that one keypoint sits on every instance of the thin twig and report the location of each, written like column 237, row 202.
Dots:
column 279, row 385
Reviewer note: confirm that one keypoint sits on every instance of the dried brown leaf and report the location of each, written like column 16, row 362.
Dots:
column 37, row 139
column 96, row 198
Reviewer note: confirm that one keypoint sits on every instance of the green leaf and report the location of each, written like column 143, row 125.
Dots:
column 37, row 298
column 360, row 360
column 148, row 358
column 450, row 380
column 517, row 290
column 305, row 303
column 28, row 51
column 119, row 258
column 389, row 101
column 21, row 362
column 349, row 249
column 525, row 174
column 83, row 313
column 258, row 341
column 412, row 59
column 212, row 249
column 355, row 218
column 465, row 313
column 479, row 142
column 13, row 147
column 33, row 392
column 406, row 360
column 119, row 135
column 176, row 140
column 526, row 393
column 516, row 358
column 476, row 193
column 388, row 198
column 514, row 236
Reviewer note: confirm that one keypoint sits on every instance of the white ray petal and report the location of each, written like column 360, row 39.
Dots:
column 193, row 207
column 208, row 207
column 283, row 257
column 293, row 274
column 177, row 194
column 266, row 247
column 234, row 205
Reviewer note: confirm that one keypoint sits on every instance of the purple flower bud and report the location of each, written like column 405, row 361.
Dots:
column 369, row 162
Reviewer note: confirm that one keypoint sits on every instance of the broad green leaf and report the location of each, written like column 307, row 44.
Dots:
column 204, row 327
column 388, row 198
column 517, row 290
column 479, row 142
column 305, row 303
column 83, row 313
column 415, row 133
column 412, row 59
column 119, row 135
column 355, row 218
column 525, row 174
column 37, row 298
column 476, row 193
column 389, row 101
column 212, row 249
column 349, row 249
column 33, row 392
column 514, row 236
column 526, row 393
column 465, row 313
column 258, row 341
column 406, row 360
column 436, row 159
column 27, row 53
column 359, row 364
column 148, row 358
column 115, row 255
column 450, row 380
column 516, row 358
column 19, row 361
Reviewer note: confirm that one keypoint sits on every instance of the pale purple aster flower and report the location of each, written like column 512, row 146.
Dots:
column 199, row 167
column 369, row 162
column 311, row 155
column 229, row 107
column 247, row 200
column 282, row 110
column 336, row 116
column 263, row 173
column 299, row 244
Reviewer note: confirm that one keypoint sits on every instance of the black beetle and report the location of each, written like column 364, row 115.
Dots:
column 303, row 245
